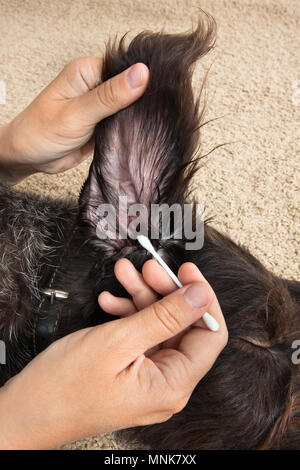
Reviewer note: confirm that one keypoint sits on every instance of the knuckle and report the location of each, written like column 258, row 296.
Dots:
column 107, row 94
column 222, row 335
column 223, row 338
column 77, row 62
column 167, row 315
column 155, row 418
column 164, row 417
column 70, row 65
column 82, row 61
column 178, row 405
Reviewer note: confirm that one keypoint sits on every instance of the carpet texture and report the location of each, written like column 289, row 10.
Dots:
column 250, row 185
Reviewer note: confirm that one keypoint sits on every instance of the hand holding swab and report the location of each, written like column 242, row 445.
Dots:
column 210, row 322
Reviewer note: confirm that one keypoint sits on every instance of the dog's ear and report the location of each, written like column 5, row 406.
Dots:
column 145, row 152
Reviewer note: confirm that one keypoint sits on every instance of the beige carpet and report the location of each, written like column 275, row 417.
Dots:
column 250, row 186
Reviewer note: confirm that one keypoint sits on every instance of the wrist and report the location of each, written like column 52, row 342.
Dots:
column 28, row 419
column 9, row 435
column 21, row 427
column 12, row 169
column 24, row 424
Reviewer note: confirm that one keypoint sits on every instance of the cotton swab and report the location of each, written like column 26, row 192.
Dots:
column 210, row 322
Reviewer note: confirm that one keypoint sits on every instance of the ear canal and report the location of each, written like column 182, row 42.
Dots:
column 144, row 153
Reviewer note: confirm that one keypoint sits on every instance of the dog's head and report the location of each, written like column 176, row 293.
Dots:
column 147, row 154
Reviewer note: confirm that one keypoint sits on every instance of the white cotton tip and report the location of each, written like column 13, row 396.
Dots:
column 210, row 322
column 145, row 242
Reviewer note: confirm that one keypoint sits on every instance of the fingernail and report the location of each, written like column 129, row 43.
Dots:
column 196, row 296
column 135, row 76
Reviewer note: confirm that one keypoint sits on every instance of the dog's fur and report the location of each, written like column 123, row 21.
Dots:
column 251, row 397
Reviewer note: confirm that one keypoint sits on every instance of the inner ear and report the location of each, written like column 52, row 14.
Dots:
column 144, row 153
column 124, row 172
column 124, row 165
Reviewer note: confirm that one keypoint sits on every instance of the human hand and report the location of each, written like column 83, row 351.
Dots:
column 145, row 289
column 98, row 379
column 55, row 132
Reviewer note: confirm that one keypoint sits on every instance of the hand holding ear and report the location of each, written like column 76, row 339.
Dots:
column 55, row 132
column 98, row 379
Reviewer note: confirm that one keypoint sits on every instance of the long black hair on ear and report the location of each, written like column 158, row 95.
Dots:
column 146, row 151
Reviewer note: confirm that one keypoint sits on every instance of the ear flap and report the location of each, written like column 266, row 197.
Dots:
column 144, row 153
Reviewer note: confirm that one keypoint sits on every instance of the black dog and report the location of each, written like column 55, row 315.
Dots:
column 251, row 397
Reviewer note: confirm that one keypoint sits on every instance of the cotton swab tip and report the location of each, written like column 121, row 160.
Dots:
column 210, row 322
column 145, row 242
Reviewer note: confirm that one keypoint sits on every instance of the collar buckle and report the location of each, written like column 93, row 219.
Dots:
column 55, row 294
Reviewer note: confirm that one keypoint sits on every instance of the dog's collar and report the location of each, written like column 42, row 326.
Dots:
column 55, row 294
column 46, row 324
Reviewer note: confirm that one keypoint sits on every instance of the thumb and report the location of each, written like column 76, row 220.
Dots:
column 166, row 318
column 113, row 94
